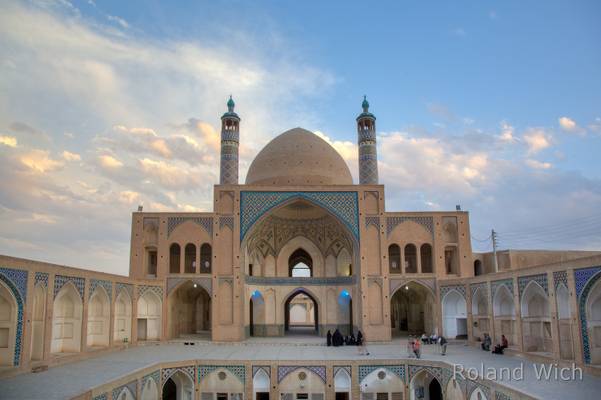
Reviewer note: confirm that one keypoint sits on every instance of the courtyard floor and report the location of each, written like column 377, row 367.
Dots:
column 67, row 381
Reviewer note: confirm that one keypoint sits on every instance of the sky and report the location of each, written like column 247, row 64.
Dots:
column 106, row 105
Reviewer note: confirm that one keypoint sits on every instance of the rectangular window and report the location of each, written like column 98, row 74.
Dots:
column 152, row 262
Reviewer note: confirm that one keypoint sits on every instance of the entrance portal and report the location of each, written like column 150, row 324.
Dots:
column 301, row 313
column 412, row 310
column 189, row 311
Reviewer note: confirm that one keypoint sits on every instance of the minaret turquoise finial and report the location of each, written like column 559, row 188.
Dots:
column 231, row 104
column 365, row 104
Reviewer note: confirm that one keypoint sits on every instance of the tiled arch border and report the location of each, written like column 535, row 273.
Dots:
column 344, row 205
column 586, row 279
column 285, row 370
column 21, row 277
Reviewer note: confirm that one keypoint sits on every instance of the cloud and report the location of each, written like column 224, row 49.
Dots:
column 113, row 18
column 537, row 139
column 68, row 156
column 109, row 162
column 507, row 133
column 567, row 124
column 538, row 164
column 39, row 161
column 9, row 141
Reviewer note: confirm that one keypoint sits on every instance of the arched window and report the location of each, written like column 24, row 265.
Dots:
column 394, row 258
column 174, row 256
column 205, row 258
column 477, row 267
column 426, row 258
column 410, row 259
column 190, row 259
column 300, row 264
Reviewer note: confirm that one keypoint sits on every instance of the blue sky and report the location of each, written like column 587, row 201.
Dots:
column 494, row 105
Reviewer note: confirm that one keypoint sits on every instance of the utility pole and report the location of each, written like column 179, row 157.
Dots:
column 493, row 235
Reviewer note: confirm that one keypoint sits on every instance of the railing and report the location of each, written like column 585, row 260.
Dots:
column 296, row 281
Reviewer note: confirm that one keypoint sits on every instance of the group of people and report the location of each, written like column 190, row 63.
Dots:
column 414, row 344
column 499, row 348
column 336, row 339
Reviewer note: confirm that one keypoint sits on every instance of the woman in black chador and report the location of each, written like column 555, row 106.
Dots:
column 337, row 339
column 329, row 338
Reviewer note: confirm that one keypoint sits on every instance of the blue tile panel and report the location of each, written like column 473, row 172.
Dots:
column 585, row 280
column 16, row 280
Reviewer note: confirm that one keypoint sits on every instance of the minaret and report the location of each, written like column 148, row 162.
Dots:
column 368, row 154
column 230, row 140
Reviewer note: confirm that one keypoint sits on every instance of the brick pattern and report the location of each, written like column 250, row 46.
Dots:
column 393, row 222
column 365, row 370
column 540, row 279
column 205, row 222
column 107, row 285
column 285, row 370
column 239, row 371
column 61, row 280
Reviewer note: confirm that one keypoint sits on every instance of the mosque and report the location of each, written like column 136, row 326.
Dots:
column 297, row 250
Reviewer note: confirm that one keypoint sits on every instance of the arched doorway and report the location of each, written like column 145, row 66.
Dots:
column 480, row 314
column 301, row 313
column 536, row 319
column 342, row 384
column 122, row 333
column 178, row 386
column 412, row 310
column 257, row 314
column 149, row 317
column 8, row 324
column 125, row 394
column 454, row 315
column 189, row 311
column 300, row 264
column 477, row 268
column 66, row 320
column 454, row 390
column 38, row 323
column 504, row 314
column 261, row 385
column 424, row 386
column 98, row 319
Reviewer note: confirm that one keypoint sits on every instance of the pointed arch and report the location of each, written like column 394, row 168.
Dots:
column 424, row 385
column 150, row 390
column 123, row 317
column 534, row 302
column 454, row 315
column 479, row 302
column 124, row 394
column 412, row 309
column 189, row 310
column 67, row 320
column 8, row 326
column 503, row 304
column 303, row 292
column 149, row 316
column 382, row 380
column 303, row 380
column 342, row 382
column 478, row 394
column 261, row 381
column 178, row 386
column 98, row 324
column 454, row 391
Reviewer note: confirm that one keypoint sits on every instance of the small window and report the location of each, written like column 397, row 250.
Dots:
column 152, row 263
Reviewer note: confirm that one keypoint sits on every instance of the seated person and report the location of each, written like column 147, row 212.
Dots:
column 434, row 338
column 486, row 342
column 425, row 339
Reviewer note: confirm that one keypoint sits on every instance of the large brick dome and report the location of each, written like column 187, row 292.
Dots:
column 298, row 157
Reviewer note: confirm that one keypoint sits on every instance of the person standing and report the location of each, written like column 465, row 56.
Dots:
column 361, row 344
column 416, row 348
column 442, row 341
column 329, row 338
